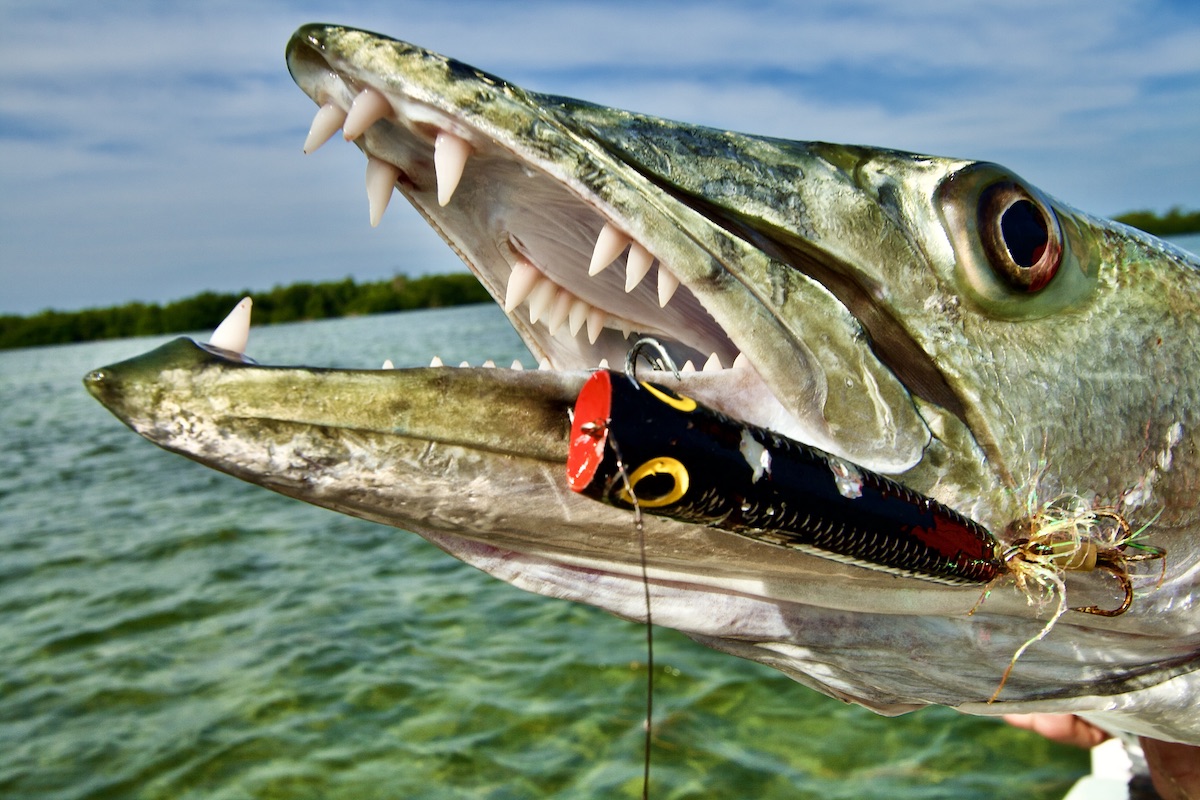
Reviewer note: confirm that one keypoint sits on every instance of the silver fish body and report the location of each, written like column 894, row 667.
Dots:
column 885, row 307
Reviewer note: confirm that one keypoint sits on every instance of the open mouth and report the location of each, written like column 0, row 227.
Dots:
column 593, row 227
column 579, row 280
column 572, row 280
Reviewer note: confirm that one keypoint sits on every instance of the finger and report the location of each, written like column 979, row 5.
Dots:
column 1063, row 728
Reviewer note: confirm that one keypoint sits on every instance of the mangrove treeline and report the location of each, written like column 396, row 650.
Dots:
column 300, row 301
column 1174, row 223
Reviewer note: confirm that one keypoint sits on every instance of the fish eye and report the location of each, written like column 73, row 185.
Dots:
column 1017, row 254
column 1020, row 236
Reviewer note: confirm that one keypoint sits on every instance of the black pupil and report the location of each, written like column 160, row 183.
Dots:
column 1024, row 233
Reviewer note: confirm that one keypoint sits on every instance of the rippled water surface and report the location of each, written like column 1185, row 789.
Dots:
column 170, row 632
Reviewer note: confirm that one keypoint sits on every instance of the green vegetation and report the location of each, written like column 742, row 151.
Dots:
column 300, row 301
column 1174, row 222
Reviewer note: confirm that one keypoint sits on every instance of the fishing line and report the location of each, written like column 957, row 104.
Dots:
column 641, row 531
column 593, row 431
column 662, row 362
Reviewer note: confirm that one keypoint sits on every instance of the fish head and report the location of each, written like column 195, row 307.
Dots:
column 937, row 320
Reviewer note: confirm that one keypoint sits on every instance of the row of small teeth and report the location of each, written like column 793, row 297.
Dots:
column 713, row 364
column 547, row 299
column 234, row 333
column 557, row 306
column 526, row 282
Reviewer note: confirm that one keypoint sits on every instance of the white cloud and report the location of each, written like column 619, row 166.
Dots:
column 151, row 149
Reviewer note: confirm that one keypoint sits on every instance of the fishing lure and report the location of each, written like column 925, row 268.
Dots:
column 680, row 459
column 643, row 446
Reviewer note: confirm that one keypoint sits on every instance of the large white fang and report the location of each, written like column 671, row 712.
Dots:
column 577, row 316
column 609, row 245
column 381, row 180
column 368, row 108
column 540, row 298
column 450, row 154
column 713, row 364
column 560, row 310
column 637, row 265
column 521, row 280
column 324, row 125
column 234, row 331
column 595, row 323
column 667, row 284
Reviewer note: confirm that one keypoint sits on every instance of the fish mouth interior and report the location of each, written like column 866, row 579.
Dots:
column 577, row 286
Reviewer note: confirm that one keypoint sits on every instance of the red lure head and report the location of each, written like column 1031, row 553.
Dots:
column 589, row 430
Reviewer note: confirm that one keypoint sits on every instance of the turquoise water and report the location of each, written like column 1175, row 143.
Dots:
column 170, row 632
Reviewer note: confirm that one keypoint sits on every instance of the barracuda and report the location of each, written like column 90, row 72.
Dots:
column 937, row 320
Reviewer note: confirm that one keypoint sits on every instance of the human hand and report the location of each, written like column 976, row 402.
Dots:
column 1174, row 768
column 1061, row 728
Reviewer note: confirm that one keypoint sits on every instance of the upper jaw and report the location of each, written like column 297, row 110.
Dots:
column 584, row 249
column 575, row 275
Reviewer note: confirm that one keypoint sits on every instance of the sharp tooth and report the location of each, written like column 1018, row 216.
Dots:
column 603, row 364
column 324, row 125
column 517, row 364
column 560, row 310
column 521, row 280
column 540, row 299
column 387, row 364
column 450, row 154
column 741, row 362
column 234, row 331
column 489, row 364
column 436, row 362
column 637, row 265
column 667, row 284
column 595, row 323
column 368, row 108
column 713, row 364
column 465, row 364
column 578, row 315
column 544, row 364
column 688, row 366
column 609, row 245
column 381, row 180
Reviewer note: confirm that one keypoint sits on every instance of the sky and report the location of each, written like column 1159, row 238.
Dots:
column 152, row 150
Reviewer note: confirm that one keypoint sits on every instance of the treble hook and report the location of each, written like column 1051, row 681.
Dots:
column 663, row 361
